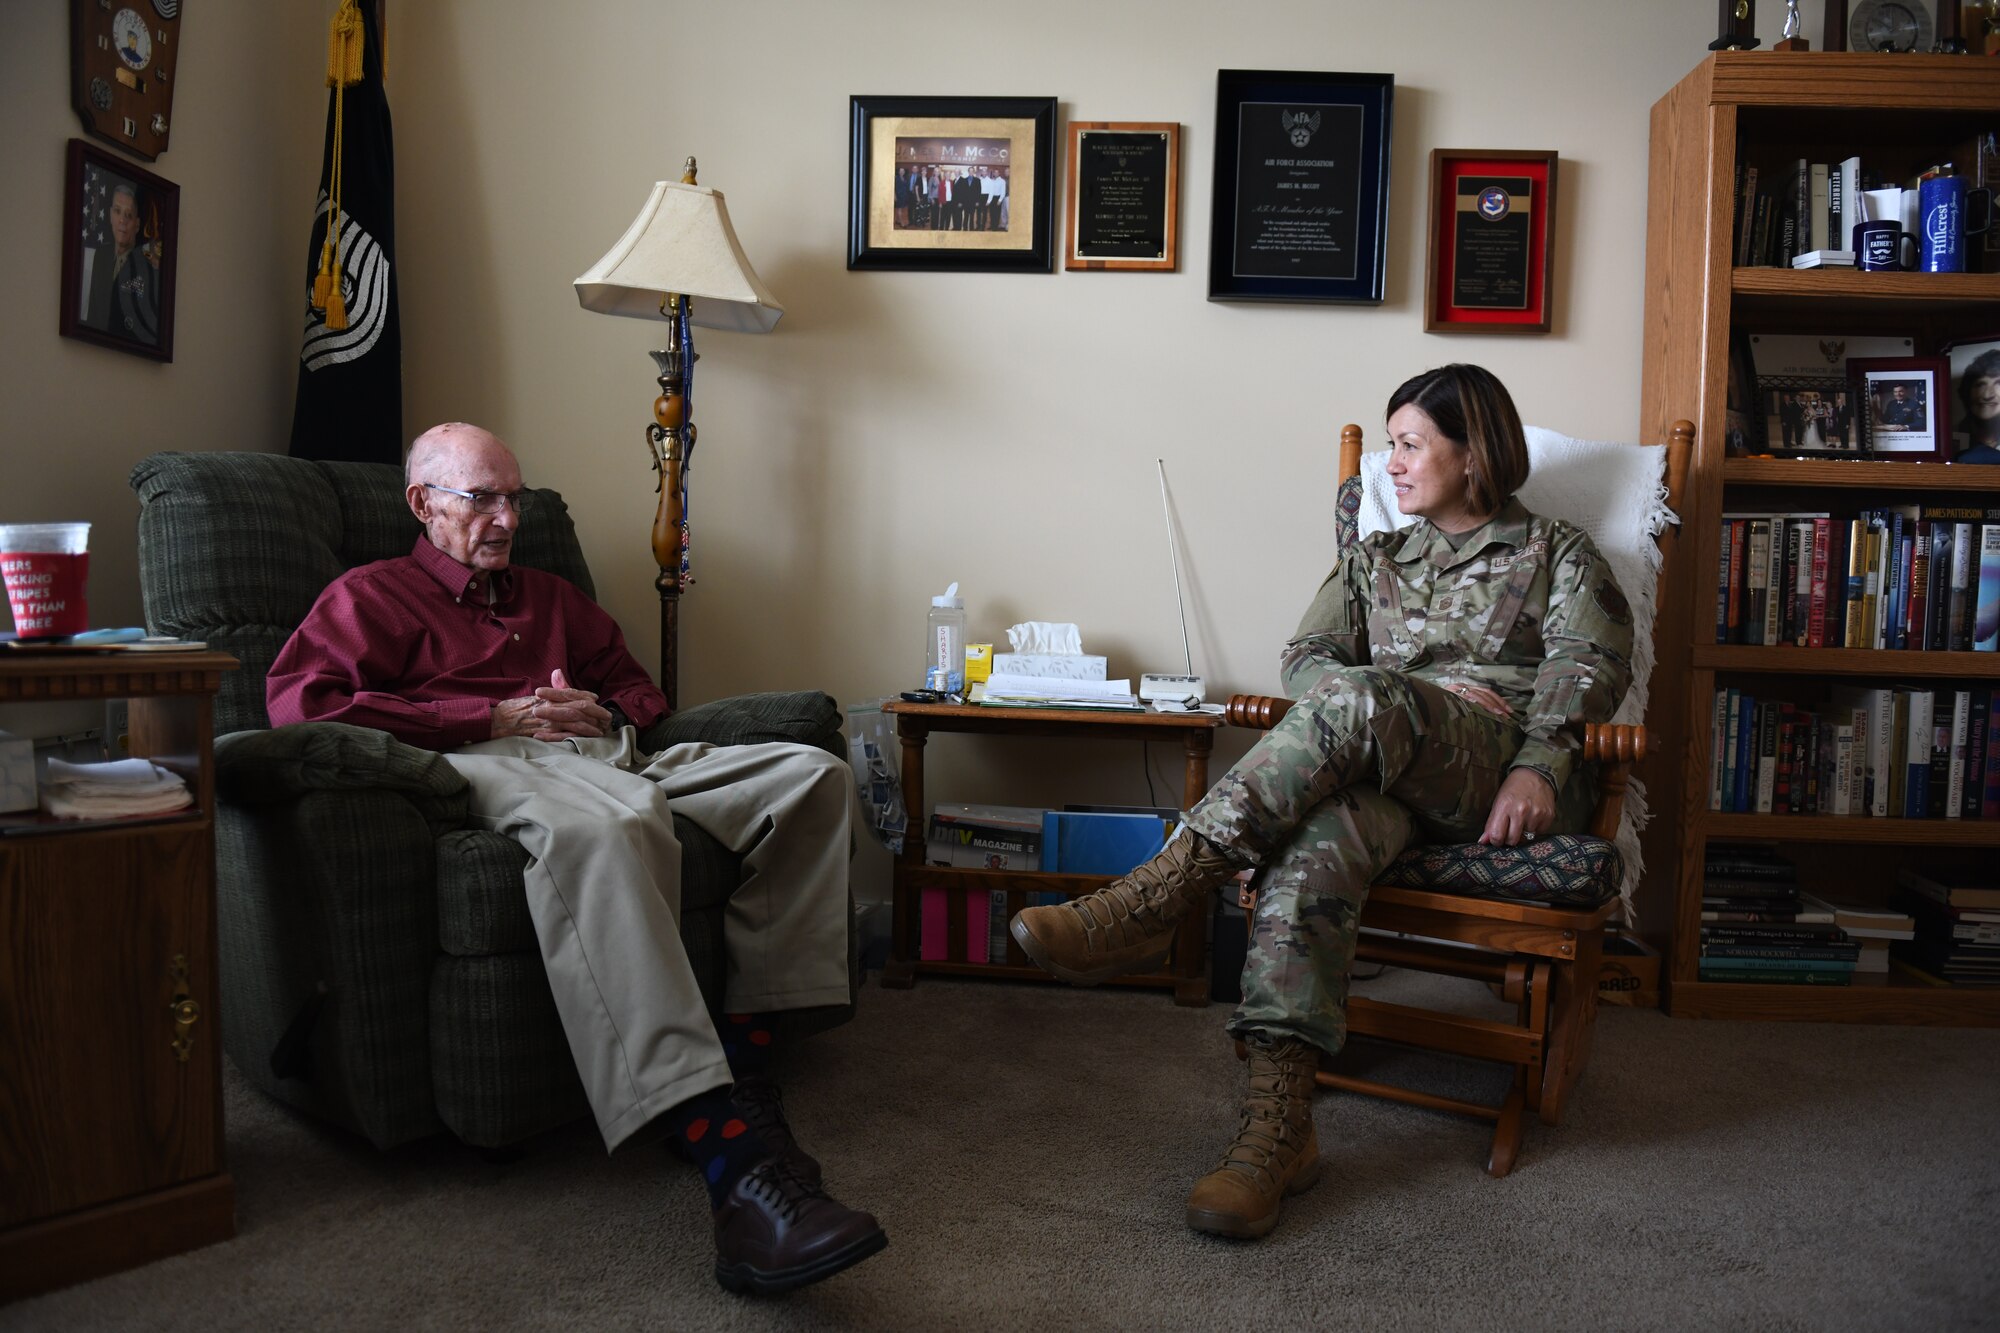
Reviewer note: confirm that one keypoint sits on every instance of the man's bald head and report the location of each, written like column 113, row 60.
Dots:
column 443, row 454
column 461, row 457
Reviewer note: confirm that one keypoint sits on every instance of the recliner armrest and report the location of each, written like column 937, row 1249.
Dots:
column 808, row 717
column 285, row 763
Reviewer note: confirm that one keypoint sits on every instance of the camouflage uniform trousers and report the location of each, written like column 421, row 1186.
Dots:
column 1364, row 763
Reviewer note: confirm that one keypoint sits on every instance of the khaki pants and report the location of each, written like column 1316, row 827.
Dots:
column 603, row 883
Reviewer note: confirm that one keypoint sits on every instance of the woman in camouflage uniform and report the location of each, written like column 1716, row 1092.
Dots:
column 1443, row 676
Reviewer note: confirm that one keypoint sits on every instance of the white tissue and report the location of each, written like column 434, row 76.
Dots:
column 1044, row 636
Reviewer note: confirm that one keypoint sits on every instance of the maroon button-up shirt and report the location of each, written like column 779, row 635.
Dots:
column 408, row 646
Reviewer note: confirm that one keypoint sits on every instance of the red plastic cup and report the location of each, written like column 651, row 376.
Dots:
column 46, row 566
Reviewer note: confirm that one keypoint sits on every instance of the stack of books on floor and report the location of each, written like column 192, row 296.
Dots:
column 1957, row 936
column 1756, row 926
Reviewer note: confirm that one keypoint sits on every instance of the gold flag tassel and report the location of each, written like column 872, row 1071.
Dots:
column 345, row 43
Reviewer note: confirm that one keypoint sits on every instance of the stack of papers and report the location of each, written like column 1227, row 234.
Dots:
column 1012, row 691
column 116, row 790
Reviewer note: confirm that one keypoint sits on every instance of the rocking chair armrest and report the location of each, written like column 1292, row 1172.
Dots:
column 1258, row 712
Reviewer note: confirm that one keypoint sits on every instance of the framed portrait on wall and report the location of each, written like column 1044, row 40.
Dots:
column 120, row 233
column 1301, row 191
column 951, row 183
column 1974, row 400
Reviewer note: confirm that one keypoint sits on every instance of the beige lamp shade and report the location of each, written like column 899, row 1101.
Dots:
column 682, row 243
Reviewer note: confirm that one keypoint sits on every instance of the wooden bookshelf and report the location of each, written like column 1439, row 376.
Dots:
column 1899, row 114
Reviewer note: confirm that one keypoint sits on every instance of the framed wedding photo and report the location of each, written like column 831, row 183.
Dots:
column 1974, row 400
column 1122, row 202
column 1301, row 192
column 121, row 228
column 1902, row 402
column 1486, row 269
column 947, row 183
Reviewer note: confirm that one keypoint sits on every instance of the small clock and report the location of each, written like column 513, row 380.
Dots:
column 122, row 59
column 1900, row 26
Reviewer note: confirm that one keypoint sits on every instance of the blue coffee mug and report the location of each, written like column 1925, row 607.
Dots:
column 1882, row 246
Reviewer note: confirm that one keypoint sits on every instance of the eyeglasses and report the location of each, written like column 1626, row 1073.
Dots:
column 489, row 502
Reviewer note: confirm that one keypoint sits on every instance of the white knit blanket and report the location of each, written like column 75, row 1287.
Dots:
column 1615, row 492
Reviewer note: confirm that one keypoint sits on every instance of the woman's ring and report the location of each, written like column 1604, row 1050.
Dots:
column 1529, row 836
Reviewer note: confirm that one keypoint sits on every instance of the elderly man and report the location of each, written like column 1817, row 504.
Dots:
column 526, row 686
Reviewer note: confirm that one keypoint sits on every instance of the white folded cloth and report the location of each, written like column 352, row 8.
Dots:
column 113, row 790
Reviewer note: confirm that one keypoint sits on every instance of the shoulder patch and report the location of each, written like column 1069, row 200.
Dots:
column 1612, row 602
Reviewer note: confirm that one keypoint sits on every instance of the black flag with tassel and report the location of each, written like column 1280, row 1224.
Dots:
column 350, row 401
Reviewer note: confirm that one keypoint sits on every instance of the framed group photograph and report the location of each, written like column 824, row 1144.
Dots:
column 1492, row 232
column 1122, row 206
column 1806, row 400
column 1975, row 400
column 1902, row 401
column 120, row 228
column 951, row 183
column 1301, row 202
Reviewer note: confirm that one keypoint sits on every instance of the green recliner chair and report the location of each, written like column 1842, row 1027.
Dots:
column 379, row 967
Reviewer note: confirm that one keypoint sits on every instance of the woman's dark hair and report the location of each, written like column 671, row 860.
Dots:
column 1472, row 407
column 1985, row 366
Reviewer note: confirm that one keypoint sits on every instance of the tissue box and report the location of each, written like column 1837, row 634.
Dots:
column 978, row 662
column 17, row 772
column 1062, row 666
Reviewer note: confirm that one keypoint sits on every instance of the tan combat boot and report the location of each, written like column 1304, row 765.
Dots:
column 1276, row 1151
column 1128, row 925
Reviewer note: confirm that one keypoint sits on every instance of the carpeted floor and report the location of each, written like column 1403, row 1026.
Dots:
column 1028, row 1150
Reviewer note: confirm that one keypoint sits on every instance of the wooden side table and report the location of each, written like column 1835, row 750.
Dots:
column 1186, row 972
column 110, row 1048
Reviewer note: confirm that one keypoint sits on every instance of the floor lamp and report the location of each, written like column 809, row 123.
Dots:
column 680, row 262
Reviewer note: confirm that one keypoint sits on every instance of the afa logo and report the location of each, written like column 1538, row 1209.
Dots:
column 1494, row 203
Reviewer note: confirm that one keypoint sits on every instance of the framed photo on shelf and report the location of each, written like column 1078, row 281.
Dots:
column 1743, row 426
column 1974, row 400
column 1301, row 189
column 1806, row 399
column 946, row 183
column 1123, row 201
column 1486, row 268
column 1902, row 402
column 121, row 230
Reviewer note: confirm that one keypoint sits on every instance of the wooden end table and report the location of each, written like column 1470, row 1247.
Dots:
column 110, row 1045
column 1186, row 969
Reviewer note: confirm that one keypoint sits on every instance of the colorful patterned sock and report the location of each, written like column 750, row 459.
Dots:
column 710, row 1132
column 746, row 1040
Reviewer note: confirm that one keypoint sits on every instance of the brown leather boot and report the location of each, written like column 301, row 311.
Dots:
column 1128, row 925
column 1276, row 1151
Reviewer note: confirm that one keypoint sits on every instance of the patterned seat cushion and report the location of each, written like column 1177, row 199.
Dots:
column 1563, row 870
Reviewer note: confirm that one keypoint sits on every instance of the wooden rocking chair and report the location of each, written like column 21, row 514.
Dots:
column 1543, row 959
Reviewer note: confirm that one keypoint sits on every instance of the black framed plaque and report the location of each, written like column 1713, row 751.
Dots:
column 1301, row 186
column 1123, row 197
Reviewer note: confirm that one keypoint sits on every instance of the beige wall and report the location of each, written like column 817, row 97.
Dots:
column 898, row 430
column 247, row 117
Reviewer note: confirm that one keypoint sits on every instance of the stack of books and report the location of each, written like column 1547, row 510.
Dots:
column 1957, row 936
column 1756, row 926
column 1874, row 929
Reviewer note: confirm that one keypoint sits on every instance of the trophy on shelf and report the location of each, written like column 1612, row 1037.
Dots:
column 1790, row 40
column 1736, row 26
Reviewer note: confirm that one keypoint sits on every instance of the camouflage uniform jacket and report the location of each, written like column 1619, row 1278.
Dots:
column 1525, row 606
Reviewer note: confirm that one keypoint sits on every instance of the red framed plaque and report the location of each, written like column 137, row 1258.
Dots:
column 1492, row 232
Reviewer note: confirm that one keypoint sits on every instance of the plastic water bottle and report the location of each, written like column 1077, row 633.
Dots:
column 944, row 660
